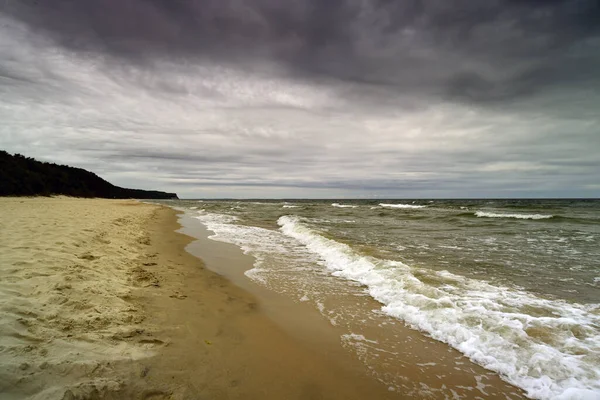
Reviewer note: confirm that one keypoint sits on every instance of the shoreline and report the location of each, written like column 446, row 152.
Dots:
column 107, row 299
column 428, row 368
column 176, row 330
column 232, row 349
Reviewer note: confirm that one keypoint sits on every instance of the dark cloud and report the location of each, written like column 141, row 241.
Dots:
column 467, row 50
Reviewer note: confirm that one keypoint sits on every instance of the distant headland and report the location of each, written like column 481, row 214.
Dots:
column 25, row 176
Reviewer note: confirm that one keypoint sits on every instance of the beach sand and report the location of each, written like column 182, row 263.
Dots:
column 100, row 300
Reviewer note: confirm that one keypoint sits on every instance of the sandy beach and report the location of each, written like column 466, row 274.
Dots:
column 100, row 300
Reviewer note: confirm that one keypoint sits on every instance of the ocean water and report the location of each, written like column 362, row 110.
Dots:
column 514, row 285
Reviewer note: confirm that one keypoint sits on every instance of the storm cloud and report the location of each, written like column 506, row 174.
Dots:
column 308, row 98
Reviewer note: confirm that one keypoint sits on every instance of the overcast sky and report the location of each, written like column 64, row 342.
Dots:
column 309, row 98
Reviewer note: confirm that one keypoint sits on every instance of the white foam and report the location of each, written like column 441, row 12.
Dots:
column 268, row 247
column 343, row 205
column 549, row 348
column 289, row 206
column 386, row 205
column 256, row 274
column 358, row 338
column 486, row 214
column 429, row 364
column 216, row 220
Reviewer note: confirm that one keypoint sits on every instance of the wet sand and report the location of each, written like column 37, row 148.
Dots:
column 419, row 367
column 100, row 300
column 223, row 346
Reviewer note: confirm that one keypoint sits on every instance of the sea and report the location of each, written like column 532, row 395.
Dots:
column 514, row 285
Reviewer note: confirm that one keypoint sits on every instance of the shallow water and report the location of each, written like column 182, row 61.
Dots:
column 512, row 284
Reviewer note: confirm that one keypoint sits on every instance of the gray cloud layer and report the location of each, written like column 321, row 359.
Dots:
column 309, row 98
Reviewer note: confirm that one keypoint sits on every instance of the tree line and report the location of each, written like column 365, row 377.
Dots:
column 25, row 176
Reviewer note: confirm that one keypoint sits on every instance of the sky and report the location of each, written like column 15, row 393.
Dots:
column 309, row 98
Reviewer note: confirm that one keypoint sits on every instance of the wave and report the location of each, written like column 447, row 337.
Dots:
column 400, row 205
column 343, row 205
column 289, row 206
column 260, row 242
column 486, row 214
column 547, row 347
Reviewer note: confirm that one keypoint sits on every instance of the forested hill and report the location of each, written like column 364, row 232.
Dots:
column 24, row 176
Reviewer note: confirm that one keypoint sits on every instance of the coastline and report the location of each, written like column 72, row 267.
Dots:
column 232, row 349
column 105, row 299
column 176, row 330
column 428, row 369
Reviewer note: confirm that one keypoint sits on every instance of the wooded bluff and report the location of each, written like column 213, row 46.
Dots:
column 25, row 176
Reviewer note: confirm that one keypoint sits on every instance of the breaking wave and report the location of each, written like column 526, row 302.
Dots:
column 343, row 205
column 486, row 214
column 386, row 205
column 550, row 348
